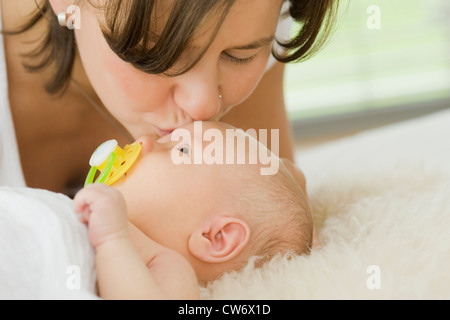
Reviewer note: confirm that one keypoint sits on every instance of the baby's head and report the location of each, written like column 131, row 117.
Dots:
column 276, row 211
column 217, row 214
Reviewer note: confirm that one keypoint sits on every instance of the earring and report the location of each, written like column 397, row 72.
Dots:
column 220, row 96
column 62, row 19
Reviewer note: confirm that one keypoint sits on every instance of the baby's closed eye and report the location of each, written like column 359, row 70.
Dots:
column 184, row 150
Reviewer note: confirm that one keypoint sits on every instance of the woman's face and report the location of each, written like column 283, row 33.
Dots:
column 155, row 105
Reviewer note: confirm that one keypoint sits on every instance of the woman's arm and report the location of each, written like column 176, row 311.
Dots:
column 265, row 109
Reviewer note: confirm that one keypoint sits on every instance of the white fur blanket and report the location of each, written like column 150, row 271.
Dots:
column 44, row 249
column 382, row 207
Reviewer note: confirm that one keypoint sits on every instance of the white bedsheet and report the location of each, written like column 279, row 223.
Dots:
column 44, row 249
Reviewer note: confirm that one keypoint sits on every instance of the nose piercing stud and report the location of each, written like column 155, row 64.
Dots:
column 220, row 96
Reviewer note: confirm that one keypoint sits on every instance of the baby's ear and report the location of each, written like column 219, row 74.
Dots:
column 219, row 240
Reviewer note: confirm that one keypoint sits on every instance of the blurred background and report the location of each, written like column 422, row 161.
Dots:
column 388, row 61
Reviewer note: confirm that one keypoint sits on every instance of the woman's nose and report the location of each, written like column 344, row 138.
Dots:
column 197, row 93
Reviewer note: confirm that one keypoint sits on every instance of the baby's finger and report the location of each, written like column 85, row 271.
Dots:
column 85, row 215
column 79, row 202
column 81, row 218
column 84, row 198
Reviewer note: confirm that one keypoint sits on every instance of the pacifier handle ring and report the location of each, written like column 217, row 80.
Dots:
column 90, row 176
column 104, row 175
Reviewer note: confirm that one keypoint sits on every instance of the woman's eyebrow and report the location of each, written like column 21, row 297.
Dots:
column 260, row 43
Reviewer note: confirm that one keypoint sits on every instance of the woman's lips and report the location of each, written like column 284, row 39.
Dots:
column 163, row 133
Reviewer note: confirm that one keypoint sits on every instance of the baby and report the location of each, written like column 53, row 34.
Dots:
column 163, row 229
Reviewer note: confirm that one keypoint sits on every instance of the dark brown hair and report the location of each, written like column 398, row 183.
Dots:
column 127, row 25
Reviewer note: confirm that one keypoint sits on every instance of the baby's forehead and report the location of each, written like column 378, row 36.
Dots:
column 207, row 125
column 227, row 130
column 219, row 125
column 248, row 141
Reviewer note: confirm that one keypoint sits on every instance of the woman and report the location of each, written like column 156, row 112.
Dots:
column 139, row 67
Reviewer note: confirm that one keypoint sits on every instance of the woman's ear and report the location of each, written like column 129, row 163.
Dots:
column 59, row 5
column 219, row 240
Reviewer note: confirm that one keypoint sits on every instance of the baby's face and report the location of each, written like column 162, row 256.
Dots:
column 171, row 189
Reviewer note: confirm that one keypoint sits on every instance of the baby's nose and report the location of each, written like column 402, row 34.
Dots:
column 147, row 143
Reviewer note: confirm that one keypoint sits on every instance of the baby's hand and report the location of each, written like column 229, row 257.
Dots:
column 103, row 209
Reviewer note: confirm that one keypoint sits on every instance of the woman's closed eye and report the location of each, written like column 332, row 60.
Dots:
column 239, row 61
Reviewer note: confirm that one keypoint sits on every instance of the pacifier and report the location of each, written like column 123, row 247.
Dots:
column 112, row 162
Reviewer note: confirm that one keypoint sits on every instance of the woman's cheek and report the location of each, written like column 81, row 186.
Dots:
column 242, row 84
column 138, row 89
